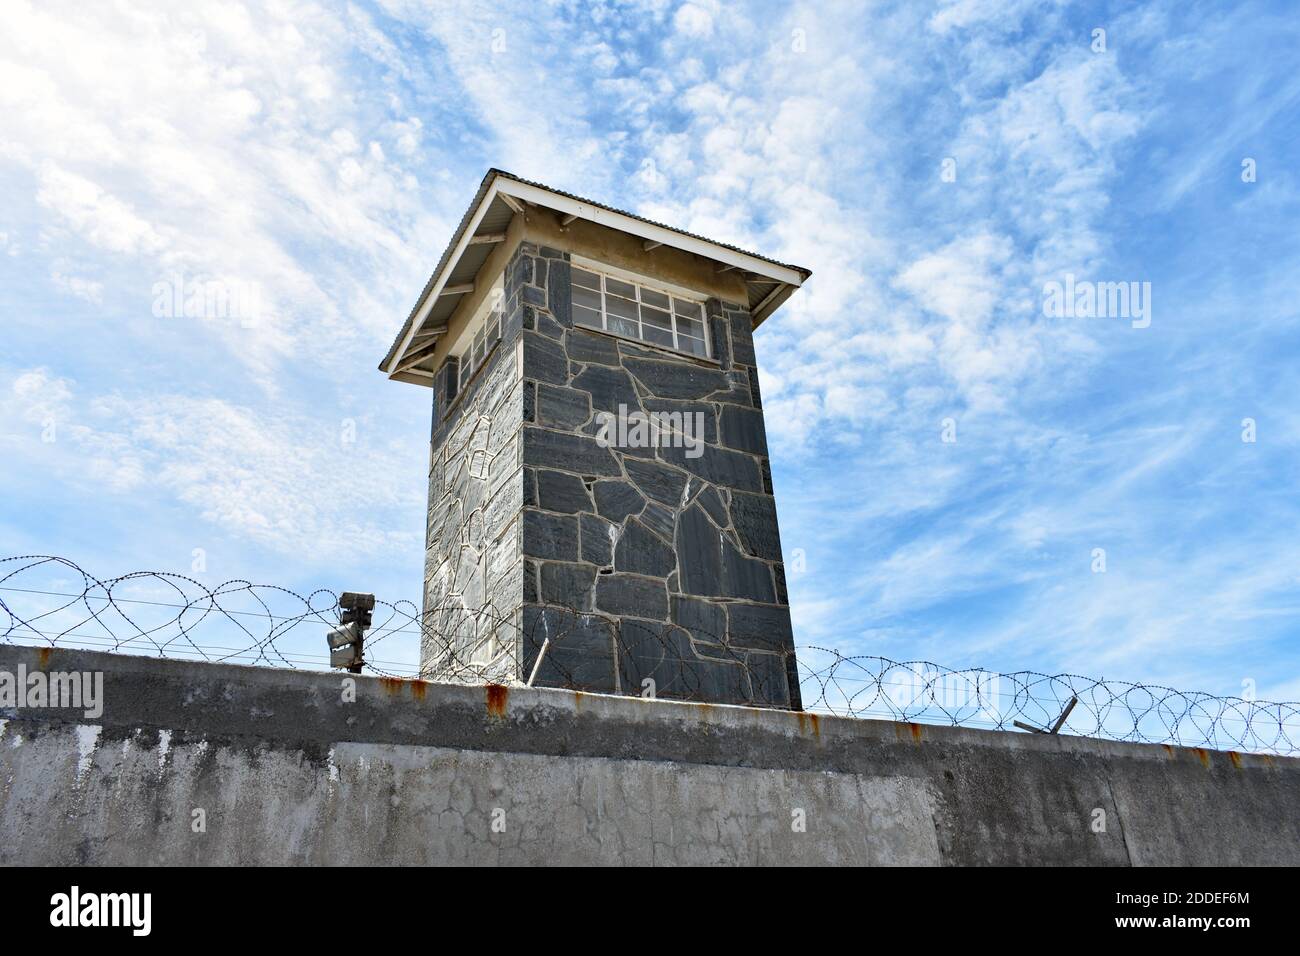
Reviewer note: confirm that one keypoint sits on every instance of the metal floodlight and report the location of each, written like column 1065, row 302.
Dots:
column 342, row 636
column 346, row 640
column 355, row 615
column 355, row 600
column 349, row 655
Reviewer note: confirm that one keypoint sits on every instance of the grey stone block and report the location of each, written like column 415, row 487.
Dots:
column 559, row 294
column 616, row 500
column 707, row 417
column 742, row 338
column 700, row 558
column 580, row 655
column 657, row 480
column 719, row 466
column 597, row 540
column 664, row 655
column 530, row 487
column 742, row 428
column 754, row 394
column 531, row 589
column 769, row 681
column 550, row 536
column 588, row 347
column 711, row 501
column 609, row 388
column 706, row 620
column 562, row 450
column 744, row 577
column 628, row 596
column 711, row 566
column 761, row 626
column 561, row 407
column 641, row 552
column 754, row 517
column 548, row 327
column 521, row 270
column 544, row 359
column 568, row 585
column 660, row 519
column 682, row 380
column 721, row 342
column 733, row 396
column 560, row 491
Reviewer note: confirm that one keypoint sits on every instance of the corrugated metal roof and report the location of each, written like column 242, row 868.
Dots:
column 632, row 215
column 484, row 187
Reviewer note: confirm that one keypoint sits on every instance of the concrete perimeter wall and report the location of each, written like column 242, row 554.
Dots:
column 284, row 771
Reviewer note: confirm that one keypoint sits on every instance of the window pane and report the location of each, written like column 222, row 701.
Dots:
column 658, row 336
column 690, row 327
column 585, row 279
column 654, row 317
column 585, row 316
column 682, row 307
column 623, row 308
column 657, row 299
column 617, row 287
column 623, row 326
column 586, row 297
column 688, row 344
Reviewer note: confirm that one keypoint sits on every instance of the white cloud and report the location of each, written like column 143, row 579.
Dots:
column 82, row 288
column 288, row 483
column 100, row 219
column 692, row 20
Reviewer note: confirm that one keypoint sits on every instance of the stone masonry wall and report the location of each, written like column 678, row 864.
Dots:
column 473, row 579
column 627, row 563
column 646, row 562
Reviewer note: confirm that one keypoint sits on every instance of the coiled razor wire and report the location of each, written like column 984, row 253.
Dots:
column 51, row 601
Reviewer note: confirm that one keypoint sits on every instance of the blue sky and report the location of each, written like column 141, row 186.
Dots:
column 322, row 153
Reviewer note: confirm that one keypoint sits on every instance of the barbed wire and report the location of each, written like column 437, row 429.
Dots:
column 51, row 601
column 923, row 691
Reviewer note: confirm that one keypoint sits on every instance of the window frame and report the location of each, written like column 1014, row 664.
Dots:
column 482, row 332
column 640, row 284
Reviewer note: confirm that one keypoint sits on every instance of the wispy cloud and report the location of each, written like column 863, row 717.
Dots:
column 933, row 164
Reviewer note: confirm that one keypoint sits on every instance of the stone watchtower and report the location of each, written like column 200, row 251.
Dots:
column 599, row 488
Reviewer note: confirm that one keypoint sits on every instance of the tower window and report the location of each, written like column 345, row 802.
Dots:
column 483, row 332
column 628, row 308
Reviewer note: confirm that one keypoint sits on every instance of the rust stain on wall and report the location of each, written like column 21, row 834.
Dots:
column 497, row 695
column 807, row 720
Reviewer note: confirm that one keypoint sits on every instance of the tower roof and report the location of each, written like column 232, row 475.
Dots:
column 500, row 196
